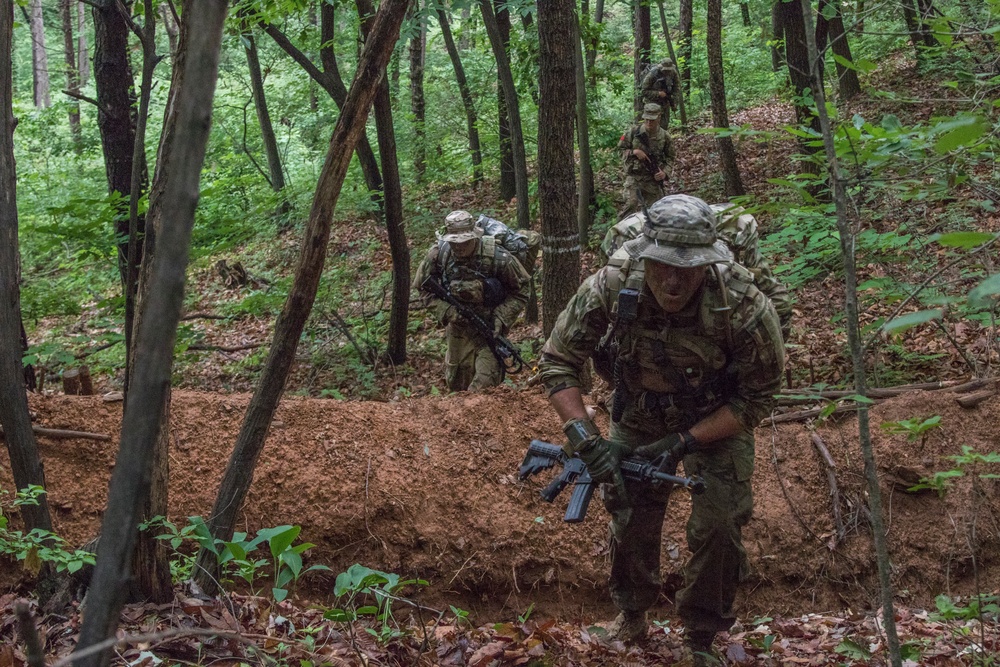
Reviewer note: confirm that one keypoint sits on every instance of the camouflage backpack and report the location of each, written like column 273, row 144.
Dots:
column 523, row 244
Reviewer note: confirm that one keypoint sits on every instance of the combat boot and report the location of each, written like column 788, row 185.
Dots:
column 630, row 626
column 698, row 650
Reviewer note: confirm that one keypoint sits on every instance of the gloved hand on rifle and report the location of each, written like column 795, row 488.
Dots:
column 444, row 313
column 601, row 456
column 676, row 446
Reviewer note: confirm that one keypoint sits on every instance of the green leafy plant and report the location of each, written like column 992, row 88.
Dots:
column 969, row 458
column 914, row 429
column 364, row 592
column 37, row 547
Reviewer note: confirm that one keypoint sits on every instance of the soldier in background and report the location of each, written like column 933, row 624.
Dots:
column 649, row 158
column 662, row 85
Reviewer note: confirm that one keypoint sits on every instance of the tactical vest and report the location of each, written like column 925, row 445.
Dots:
column 473, row 281
column 673, row 367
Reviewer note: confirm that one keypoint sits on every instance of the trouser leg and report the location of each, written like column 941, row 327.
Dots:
column 459, row 360
column 487, row 370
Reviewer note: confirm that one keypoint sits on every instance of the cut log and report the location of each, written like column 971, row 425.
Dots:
column 86, row 386
column 71, row 382
column 969, row 401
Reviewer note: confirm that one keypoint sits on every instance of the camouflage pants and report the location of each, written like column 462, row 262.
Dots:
column 469, row 363
column 714, row 534
column 651, row 192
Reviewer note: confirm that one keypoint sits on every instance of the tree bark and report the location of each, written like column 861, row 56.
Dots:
column 169, row 26
column 643, row 46
column 558, row 49
column 681, row 107
column 288, row 329
column 732, row 182
column 777, row 37
column 833, row 30
column 513, row 112
column 15, row 418
column 585, row 201
column 467, row 102
column 82, row 52
column 72, row 78
column 745, row 13
column 418, row 45
column 685, row 25
column 596, row 20
column 39, row 57
column 398, row 248
column 276, row 176
column 141, row 422
column 797, row 58
column 508, row 181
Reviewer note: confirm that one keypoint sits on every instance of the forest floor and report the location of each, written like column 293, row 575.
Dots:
column 425, row 487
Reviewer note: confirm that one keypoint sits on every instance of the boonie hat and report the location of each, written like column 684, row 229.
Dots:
column 460, row 227
column 680, row 231
column 651, row 110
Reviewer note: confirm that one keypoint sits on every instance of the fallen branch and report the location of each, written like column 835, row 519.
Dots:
column 205, row 316
column 969, row 401
column 807, row 395
column 61, row 434
column 803, row 415
column 224, row 348
column 831, row 478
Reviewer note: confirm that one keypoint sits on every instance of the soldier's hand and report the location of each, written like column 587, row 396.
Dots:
column 660, row 176
column 639, row 153
column 675, row 446
column 602, row 458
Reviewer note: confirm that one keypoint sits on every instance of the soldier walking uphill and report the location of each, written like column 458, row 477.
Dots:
column 695, row 355
column 482, row 275
column 649, row 158
column 662, row 85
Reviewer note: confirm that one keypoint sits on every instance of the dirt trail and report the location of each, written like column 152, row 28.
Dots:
column 427, row 488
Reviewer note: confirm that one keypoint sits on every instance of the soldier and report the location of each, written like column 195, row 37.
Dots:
column 739, row 230
column 662, row 85
column 696, row 356
column 649, row 157
column 481, row 274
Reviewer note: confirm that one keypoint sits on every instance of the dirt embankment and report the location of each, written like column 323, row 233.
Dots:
column 427, row 488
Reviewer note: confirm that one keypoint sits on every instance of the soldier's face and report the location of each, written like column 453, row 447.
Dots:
column 651, row 124
column 673, row 287
column 465, row 248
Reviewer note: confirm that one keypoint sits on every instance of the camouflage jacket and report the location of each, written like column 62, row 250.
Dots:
column 739, row 230
column 658, row 147
column 662, row 79
column 723, row 348
column 464, row 276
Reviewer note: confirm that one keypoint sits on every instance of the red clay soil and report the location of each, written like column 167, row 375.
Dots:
column 428, row 488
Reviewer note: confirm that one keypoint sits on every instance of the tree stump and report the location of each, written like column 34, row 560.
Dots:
column 76, row 382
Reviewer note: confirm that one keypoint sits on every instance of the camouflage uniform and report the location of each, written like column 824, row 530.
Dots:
column 662, row 85
column 739, row 230
column 469, row 361
column 638, row 176
column 724, row 348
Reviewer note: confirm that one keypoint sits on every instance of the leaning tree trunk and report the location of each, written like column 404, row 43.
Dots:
column 349, row 128
column 558, row 45
column 39, row 56
column 141, row 421
column 732, row 182
column 418, row 45
column 72, row 78
column 833, row 29
column 681, row 107
column 685, row 25
column 508, row 181
column 466, row 94
column 398, row 249
column 14, row 415
column 643, row 45
column 585, row 194
column 276, row 176
column 513, row 112
column 846, row 233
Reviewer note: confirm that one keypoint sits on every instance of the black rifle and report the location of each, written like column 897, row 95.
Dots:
column 543, row 455
column 506, row 354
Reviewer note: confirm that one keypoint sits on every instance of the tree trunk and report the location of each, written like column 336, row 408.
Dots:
column 288, row 328
column 82, row 55
column 39, row 57
column 72, row 78
column 685, row 25
column 466, row 94
column 682, row 107
column 797, row 56
column 558, row 48
column 596, row 20
column 846, row 232
column 585, row 201
column 141, row 422
column 276, row 175
column 745, row 12
column 643, row 46
column 513, row 112
column 169, row 26
column 398, row 247
column 14, row 416
column 418, row 45
column 733, row 184
column 508, row 182
column 833, row 29
column 777, row 37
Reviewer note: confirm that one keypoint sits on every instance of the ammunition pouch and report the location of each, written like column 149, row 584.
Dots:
column 494, row 293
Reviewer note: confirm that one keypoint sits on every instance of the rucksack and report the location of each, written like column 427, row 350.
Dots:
column 523, row 244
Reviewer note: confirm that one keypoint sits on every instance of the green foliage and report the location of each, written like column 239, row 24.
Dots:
column 363, row 592
column 37, row 547
column 985, row 607
column 982, row 466
column 914, row 428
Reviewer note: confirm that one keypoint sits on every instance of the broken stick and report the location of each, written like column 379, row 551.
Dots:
column 831, row 477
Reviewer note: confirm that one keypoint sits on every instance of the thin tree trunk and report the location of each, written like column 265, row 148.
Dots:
column 141, row 422
column 398, row 248
column 288, row 329
column 169, row 26
column 418, row 45
column 733, row 184
column 72, row 78
column 643, row 46
column 854, row 342
column 39, row 57
column 276, row 175
column 463, row 89
column 508, row 182
column 513, row 111
column 585, row 193
column 685, row 25
column 797, row 58
column 82, row 52
column 745, row 13
column 558, row 50
column 14, row 415
column 833, row 29
column 682, row 107
column 597, row 20
column 777, row 37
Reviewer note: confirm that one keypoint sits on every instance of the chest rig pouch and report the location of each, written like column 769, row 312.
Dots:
column 473, row 281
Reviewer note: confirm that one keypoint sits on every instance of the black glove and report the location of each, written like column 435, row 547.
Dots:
column 601, row 456
column 675, row 446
